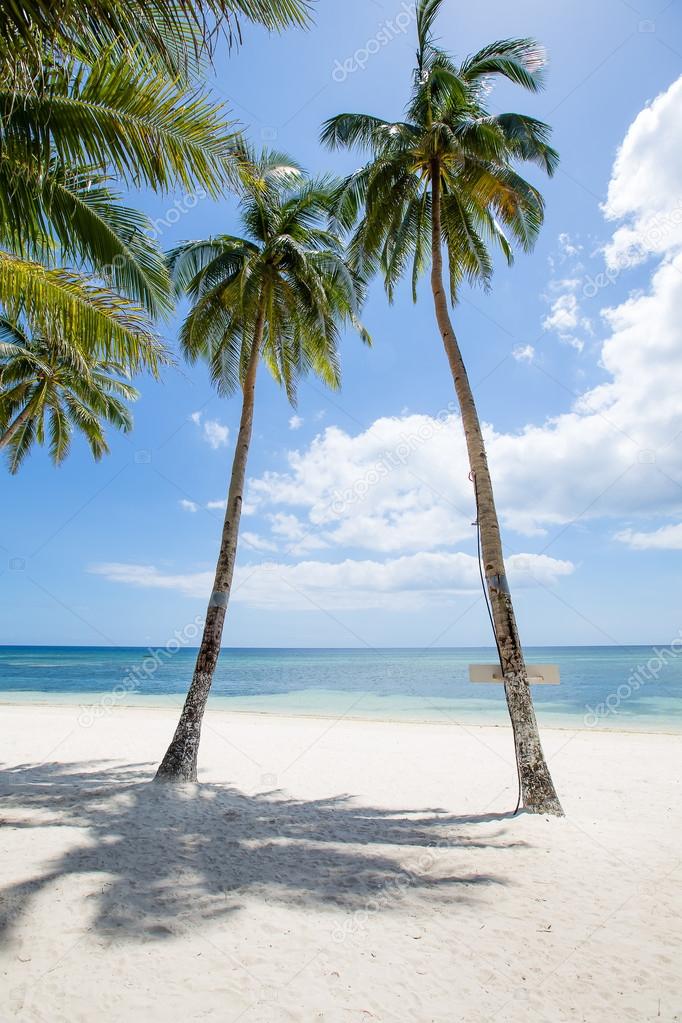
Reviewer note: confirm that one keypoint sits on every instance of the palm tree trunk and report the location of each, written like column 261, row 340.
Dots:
column 537, row 788
column 15, row 425
column 180, row 761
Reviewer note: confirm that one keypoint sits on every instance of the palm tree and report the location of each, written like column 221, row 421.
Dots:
column 50, row 382
column 90, row 92
column 445, row 176
column 279, row 294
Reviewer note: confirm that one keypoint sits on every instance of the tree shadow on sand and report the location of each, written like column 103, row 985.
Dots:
column 163, row 860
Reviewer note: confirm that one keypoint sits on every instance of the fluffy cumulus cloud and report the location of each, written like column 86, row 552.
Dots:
column 254, row 542
column 396, row 487
column 215, row 433
column 405, row 582
column 645, row 189
column 402, row 485
column 524, row 353
column 565, row 318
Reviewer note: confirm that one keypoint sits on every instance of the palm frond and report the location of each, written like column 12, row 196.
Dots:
column 147, row 128
column 63, row 304
column 288, row 271
column 528, row 139
column 90, row 225
column 427, row 12
column 522, row 61
column 174, row 34
column 46, row 395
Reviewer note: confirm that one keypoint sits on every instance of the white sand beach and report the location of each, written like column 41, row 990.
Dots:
column 334, row 871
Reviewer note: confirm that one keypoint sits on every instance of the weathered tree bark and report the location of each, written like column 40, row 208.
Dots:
column 14, row 426
column 537, row 789
column 180, row 762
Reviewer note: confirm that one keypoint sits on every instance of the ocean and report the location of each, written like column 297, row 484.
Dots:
column 636, row 687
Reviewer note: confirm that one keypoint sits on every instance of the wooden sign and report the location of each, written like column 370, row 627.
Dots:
column 538, row 674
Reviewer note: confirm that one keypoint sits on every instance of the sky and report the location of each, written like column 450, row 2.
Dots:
column 357, row 527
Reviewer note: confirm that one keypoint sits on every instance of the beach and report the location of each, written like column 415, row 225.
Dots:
column 334, row 870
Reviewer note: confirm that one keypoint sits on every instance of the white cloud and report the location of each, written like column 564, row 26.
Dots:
column 646, row 183
column 215, row 433
column 255, row 542
column 193, row 584
column 393, row 488
column 565, row 316
column 194, row 506
column 401, row 486
column 295, row 423
column 567, row 246
column 400, row 582
column 667, row 538
column 295, row 538
column 524, row 353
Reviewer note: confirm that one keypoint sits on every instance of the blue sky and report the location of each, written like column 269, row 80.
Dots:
column 358, row 520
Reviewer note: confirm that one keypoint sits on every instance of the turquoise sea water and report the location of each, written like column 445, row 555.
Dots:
column 604, row 687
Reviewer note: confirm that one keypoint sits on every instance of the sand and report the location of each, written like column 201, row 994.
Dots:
column 345, row 872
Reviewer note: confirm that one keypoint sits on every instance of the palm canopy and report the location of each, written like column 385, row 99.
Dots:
column 61, row 303
column 121, row 114
column 174, row 34
column 286, row 281
column 49, row 389
column 71, row 253
column 451, row 140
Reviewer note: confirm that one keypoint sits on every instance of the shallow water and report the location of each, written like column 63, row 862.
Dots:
column 606, row 687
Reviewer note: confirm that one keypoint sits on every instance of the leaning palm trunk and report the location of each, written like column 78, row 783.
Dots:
column 6, row 437
column 180, row 761
column 537, row 789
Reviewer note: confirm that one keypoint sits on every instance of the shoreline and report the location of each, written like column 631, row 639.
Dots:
column 217, row 705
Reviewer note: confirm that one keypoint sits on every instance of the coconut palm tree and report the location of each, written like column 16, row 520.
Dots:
column 279, row 295
column 49, row 389
column 92, row 92
column 444, row 178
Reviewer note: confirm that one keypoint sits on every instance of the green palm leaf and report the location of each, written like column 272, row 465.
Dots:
column 46, row 394
column 448, row 134
column 148, row 129
column 174, row 34
column 78, row 314
column 288, row 265
column 88, row 224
